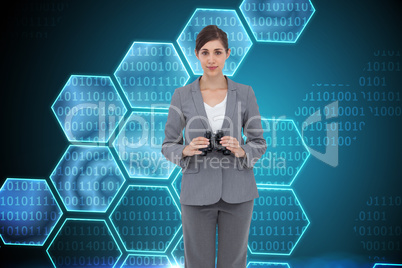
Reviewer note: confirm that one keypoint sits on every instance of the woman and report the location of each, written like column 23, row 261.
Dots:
column 216, row 188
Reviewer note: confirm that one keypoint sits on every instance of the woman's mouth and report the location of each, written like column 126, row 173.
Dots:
column 212, row 67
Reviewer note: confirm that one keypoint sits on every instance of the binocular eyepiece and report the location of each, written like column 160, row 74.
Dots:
column 214, row 143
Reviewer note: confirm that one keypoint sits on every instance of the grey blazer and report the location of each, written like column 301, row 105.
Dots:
column 208, row 178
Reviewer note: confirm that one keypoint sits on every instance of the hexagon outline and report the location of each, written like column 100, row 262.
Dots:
column 217, row 9
column 118, row 234
column 144, row 42
column 57, row 191
column 301, row 234
column 269, row 263
column 145, row 255
column 117, row 123
column 302, row 165
column 81, row 219
column 285, row 42
column 57, row 221
column 174, row 248
column 174, row 181
column 162, row 112
column 387, row 264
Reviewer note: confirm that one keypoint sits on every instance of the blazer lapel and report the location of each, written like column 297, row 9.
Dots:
column 199, row 103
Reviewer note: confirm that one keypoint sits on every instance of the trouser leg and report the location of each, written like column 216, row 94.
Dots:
column 233, row 230
column 199, row 234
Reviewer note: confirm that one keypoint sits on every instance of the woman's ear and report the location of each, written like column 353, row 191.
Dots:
column 195, row 52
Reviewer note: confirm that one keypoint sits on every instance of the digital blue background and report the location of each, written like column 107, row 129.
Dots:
column 44, row 47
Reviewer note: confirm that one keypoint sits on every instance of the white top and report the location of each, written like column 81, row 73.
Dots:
column 216, row 114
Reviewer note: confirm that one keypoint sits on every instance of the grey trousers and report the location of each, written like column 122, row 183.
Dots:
column 199, row 233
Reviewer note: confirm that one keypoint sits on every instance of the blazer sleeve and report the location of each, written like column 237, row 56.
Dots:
column 255, row 145
column 172, row 146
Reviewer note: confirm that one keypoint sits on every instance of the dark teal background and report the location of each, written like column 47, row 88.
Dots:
column 92, row 37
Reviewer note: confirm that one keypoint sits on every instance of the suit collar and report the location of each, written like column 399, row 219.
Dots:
column 199, row 103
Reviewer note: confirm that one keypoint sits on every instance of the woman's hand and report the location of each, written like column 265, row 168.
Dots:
column 194, row 145
column 233, row 145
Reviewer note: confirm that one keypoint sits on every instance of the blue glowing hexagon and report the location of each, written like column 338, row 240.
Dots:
column 139, row 145
column 386, row 265
column 149, row 74
column 146, row 218
column 178, row 252
column 229, row 22
column 254, row 264
column 277, row 20
column 84, row 243
column 176, row 183
column 87, row 178
column 278, row 222
column 28, row 213
column 285, row 156
column 145, row 260
column 89, row 108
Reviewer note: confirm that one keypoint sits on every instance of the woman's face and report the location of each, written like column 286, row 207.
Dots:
column 212, row 57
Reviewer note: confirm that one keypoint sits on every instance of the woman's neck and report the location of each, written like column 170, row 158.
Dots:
column 213, row 82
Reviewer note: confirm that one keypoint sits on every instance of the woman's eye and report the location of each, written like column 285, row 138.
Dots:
column 205, row 53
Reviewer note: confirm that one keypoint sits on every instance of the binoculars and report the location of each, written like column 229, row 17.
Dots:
column 214, row 143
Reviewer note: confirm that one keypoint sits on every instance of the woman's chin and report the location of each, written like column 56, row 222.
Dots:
column 212, row 72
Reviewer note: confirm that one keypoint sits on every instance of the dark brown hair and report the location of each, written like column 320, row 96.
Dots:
column 210, row 33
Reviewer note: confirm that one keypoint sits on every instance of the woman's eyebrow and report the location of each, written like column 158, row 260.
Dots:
column 214, row 49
